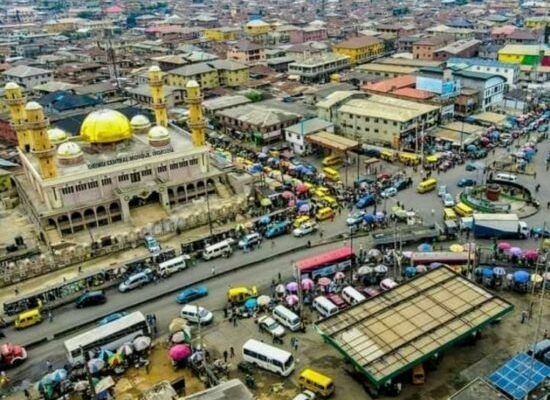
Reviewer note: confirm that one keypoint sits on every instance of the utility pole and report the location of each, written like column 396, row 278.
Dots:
column 300, row 292
column 88, row 373
column 208, row 211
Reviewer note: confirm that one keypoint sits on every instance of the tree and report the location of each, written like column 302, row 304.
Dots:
column 254, row 96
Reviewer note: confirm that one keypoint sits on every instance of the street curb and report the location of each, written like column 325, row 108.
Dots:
column 60, row 334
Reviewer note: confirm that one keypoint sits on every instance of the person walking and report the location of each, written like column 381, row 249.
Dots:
column 295, row 344
column 49, row 366
column 234, row 320
column 50, row 316
column 225, row 355
column 523, row 316
column 213, row 271
column 231, row 352
column 27, row 394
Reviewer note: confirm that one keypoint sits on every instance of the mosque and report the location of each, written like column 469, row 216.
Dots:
column 113, row 166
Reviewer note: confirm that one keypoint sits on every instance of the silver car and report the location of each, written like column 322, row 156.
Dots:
column 271, row 326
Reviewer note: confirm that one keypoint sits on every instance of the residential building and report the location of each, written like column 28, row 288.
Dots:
column 460, row 48
column 303, row 51
column 405, row 43
column 360, row 49
column 522, row 36
column 246, row 52
column 279, row 64
column 257, row 29
column 509, row 71
column 296, row 134
column 425, row 48
column 397, row 29
column 318, row 69
column 386, row 70
column 20, row 15
column 27, row 76
column 525, row 54
column 205, row 75
column 63, row 101
column 212, row 106
column 222, row 34
column 455, row 33
column 173, row 95
column 409, row 62
column 308, row 34
column 539, row 22
column 231, row 73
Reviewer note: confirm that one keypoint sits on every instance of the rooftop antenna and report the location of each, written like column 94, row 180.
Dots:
column 111, row 57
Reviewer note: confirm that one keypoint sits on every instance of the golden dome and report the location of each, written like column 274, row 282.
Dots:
column 105, row 126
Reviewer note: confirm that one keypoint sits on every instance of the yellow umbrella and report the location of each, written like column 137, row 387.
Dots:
column 456, row 268
column 536, row 278
column 432, row 158
column 177, row 324
column 456, row 248
column 265, row 202
column 116, row 359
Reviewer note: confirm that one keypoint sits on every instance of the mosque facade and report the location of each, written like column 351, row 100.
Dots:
column 75, row 183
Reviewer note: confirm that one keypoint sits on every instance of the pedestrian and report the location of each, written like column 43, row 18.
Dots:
column 235, row 320
column 535, row 175
column 433, row 212
column 321, row 233
column 272, row 243
column 280, row 278
column 16, row 290
column 50, row 316
column 295, row 344
column 225, row 312
column 49, row 366
column 225, row 355
column 80, row 269
column 231, row 352
column 545, row 335
column 523, row 316
column 27, row 394
column 292, row 342
column 213, row 270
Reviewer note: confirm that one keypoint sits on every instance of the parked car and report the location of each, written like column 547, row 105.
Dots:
column 402, row 184
column 355, row 218
column 194, row 313
column 540, row 231
column 250, row 240
column 305, row 228
column 471, row 166
column 151, row 243
column 365, row 201
column 305, row 395
column 271, row 326
column 464, row 182
column 136, row 280
column 192, row 293
column 94, row 298
column 441, row 190
column 111, row 317
column 448, row 200
column 389, row 192
column 337, row 300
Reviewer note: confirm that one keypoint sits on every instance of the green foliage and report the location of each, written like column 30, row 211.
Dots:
column 254, row 96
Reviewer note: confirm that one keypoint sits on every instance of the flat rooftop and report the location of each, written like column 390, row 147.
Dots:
column 387, row 108
column 392, row 332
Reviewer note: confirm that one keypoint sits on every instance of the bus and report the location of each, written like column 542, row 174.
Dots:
column 326, row 264
column 109, row 336
column 443, row 257
column 268, row 357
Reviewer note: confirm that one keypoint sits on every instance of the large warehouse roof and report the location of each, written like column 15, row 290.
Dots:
column 397, row 329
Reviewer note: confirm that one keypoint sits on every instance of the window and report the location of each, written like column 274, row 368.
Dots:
column 135, row 177
column 194, row 161
column 174, row 166
column 123, row 178
column 80, row 187
column 67, row 190
column 93, row 185
column 106, row 181
column 162, row 168
column 147, row 172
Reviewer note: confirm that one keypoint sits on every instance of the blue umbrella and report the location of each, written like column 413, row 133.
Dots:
column 251, row 304
column 478, row 271
column 425, row 248
column 379, row 216
column 410, row 271
column 495, row 135
column 521, row 276
column 104, row 354
column 266, row 219
column 471, row 147
column 369, row 218
column 499, row 271
column 58, row 375
column 487, row 273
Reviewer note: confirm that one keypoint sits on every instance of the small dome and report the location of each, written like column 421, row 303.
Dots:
column 139, row 121
column 105, row 126
column 69, row 150
column 33, row 106
column 154, row 68
column 158, row 132
column 57, row 135
column 11, row 85
column 192, row 84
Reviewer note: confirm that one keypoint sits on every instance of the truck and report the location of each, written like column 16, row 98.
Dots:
column 499, row 226
column 407, row 234
column 11, row 355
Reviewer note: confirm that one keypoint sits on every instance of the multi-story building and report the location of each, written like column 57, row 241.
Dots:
column 386, row 70
column 425, row 48
column 318, row 69
column 509, row 71
column 222, row 34
column 460, row 48
column 27, row 76
column 205, row 75
column 296, row 134
column 308, row 34
column 525, row 54
column 360, row 49
column 20, row 15
column 231, row 73
column 537, row 22
column 174, row 96
column 257, row 29
column 246, row 52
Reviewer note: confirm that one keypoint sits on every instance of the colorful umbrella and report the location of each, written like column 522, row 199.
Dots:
column 141, row 343
column 374, row 253
column 364, row 270
column 410, row 272
column 179, row 352
column 287, row 195
column 264, row 300
column 499, row 271
column 369, row 218
column 504, row 246
column 421, row 268
column 381, row 269
column 292, row 286
column 291, row 299
column 177, row 324
column 425, row 248
column 116, row 359
column 531, row 254
column 387, row 283
column 251, row 304
column 324, row 281
column 515, row 251
column 536, row 278
column 178, row 337
column 301, row 188
column 521, row 276
column 95, row 365
column 280, row 288
column 126, row 349
column 307, row 284
column 339, row 275
column 379, row 215
column 435, row 265
column 487, row 272
column 304, row 208
column 60, row 374
column 456, row 248
column 104, row 354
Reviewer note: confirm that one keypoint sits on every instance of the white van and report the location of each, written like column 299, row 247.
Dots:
column 173, row 265
column 506, row 177
column 195, row 314
column 352, row 296
column 136, row 280
column 324, row 306
column 286, row 318
column 250, row 240
column 222, row 248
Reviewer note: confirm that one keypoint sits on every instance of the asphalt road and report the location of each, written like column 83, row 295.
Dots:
column 260, row 274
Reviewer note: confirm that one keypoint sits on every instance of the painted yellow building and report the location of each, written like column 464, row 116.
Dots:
column 257, row 27
column 524, row 54
column 222, row 34
column 536, row 22
column 64, row 25
column 359, row 49
column 210, row 75
column 231, row 73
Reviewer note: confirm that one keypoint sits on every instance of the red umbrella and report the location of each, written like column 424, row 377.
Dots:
column 504, row 246
column 180, row 352
column 531, row 254
column 324, row 281
column 301, row 188
column 287, row 195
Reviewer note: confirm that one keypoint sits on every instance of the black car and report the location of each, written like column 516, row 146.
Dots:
column 91, row 299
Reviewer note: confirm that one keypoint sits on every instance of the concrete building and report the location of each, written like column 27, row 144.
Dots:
column 296, row 134
column 386, row 70
column 539, row 22
column 318, row 69
column 246, row 52
column 257, row 29
column 509, row 71
column 425, row 48
column 206, row 76
column 231, row 73
column 308, row 34
column 525, row 54
column 212, row 106
column 360, row 49
column 27, row 76
column 460, row 48
column 222, row 34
